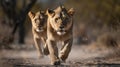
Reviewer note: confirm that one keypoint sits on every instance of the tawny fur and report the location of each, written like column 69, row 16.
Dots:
column 59, row 28
column 39, row 30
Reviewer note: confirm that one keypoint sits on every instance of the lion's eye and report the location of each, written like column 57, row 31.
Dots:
column 66, row 19
column 56, row 19
column 41, row 17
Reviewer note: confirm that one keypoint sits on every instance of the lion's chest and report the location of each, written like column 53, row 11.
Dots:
column 54, row 36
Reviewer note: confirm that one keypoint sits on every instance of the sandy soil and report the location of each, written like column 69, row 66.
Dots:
column 83, row 55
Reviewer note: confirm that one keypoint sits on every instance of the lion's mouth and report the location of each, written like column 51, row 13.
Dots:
column 39, row 30
column 61, row 32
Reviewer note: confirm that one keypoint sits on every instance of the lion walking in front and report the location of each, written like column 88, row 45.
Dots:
column 59, row 28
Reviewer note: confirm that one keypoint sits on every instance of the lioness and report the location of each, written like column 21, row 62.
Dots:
column 39, row 29
column 59, row 28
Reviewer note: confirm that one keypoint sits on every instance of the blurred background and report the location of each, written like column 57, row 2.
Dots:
column 95, row 21
column 92, row 18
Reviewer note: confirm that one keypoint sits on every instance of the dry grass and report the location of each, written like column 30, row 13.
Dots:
column 108, row 45
column 107, row 41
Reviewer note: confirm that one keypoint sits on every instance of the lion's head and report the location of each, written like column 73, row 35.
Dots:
column 38, row 20
column 60, row 19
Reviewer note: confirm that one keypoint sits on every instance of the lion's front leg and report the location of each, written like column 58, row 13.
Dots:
column 65, row 50
column 45, row 47
column 38, row 47
column 53, row 52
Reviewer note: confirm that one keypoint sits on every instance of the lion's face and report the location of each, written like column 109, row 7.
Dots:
column 60, row 19
column 38, row 21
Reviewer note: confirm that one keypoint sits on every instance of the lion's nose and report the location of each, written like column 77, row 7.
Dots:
column 39, row 25
column 61, row 26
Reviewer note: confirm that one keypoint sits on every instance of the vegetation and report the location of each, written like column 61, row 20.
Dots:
column 97, row 12
column 93, row 16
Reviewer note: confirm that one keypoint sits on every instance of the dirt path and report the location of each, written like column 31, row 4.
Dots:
column 80, row 55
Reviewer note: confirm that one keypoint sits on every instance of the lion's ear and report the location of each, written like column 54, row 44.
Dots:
column 31, row 15
column 50, row 12
column 71, row 12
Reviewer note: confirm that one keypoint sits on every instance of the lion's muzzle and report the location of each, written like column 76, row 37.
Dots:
column 40, row 29
column 61, row 31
